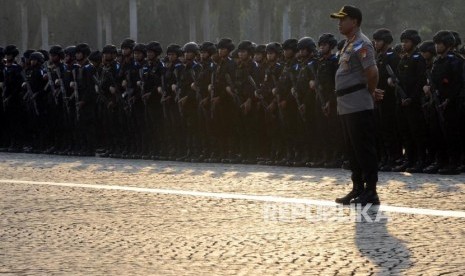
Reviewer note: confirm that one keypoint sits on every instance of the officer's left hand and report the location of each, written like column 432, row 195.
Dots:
column 112, row 90
column 444, row 104
column 378, row 95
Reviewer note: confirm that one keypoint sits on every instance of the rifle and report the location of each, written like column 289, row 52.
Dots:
column 296, row 97
column 128, row 94
column 50, row 83
column 234, row 94
column 30, row 95
column 196, row 85
column 434, row 100
column 76, row 93
column 62, row 90
column 399, row 90
column 142, row 83
column 318, row 91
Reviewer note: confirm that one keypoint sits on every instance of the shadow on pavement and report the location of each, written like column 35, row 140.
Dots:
column 389, row 253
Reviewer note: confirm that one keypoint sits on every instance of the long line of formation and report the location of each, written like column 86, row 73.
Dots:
column 272, row 104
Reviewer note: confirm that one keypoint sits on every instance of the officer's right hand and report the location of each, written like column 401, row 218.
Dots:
column 427, row 90
column 72, row 84
column 124, row 83
column 406, row 102
column 210, row 87
column 57, row 82
column 112, row 90
column 274, row 91
column 174, row 87
column 391, row 82
column 312, row 84
column 23, row 84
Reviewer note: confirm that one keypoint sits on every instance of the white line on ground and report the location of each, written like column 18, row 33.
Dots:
column 263, row 198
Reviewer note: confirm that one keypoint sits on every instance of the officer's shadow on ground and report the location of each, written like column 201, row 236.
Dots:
column 389, row 253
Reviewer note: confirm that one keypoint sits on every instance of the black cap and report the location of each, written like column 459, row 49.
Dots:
column 349, row 11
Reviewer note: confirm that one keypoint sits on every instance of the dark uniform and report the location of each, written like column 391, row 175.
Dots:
column 389, row 145
column 83, row 76
column 12, row 101
column 152, row 80
column 327, row 124
column 411, row 121
column 447, row 82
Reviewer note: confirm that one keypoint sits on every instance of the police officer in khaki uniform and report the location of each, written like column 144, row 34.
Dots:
column 356, row 81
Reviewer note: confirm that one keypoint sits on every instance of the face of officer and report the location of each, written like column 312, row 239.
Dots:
column 54, row 58
column 407, row 45
column 427, row 55
column 79, row 56
column 258, row 57
column 243, row 55
column 139, row 56
column 440, row 48
column 223, row 52
column 379, row 45
column 126, row 52
column 271, row 56
column 324, row 49
column 347, row 25
column 151, row 55
column 172, row 57
column 189, row 56
column 288, row 53
column 204, row 56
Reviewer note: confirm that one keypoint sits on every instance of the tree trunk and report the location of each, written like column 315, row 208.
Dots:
column 44, row 27
column 133, row 19
column 192, row 23
column 99, row 25
column 108, row 27
column 206, row 20
column 24, row 27
column 286, row 23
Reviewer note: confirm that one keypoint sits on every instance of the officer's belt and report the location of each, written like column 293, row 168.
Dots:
column 350, row 89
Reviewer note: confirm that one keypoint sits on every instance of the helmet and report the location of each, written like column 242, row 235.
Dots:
column 174, row 48
column 70, row 51
column 427, row 46
column 95, row 56
column 155, row 47
column 445, row 37
column 274, row 47
column 290, row 44
column 306, row 43
column 83, row 48
column 208, row 47
column 246, row 46
column 37, row 56
column 260, row 49
column 109, row 49
column 226, row 43
column 411, row 35
column 11, row 50
column 139, row 47
column 458, row 41
column 44, row 53
column 329, row 39
column 27, row 53
column 384, row 35
column 57, row 50
column 191, row 47
column 128, row 43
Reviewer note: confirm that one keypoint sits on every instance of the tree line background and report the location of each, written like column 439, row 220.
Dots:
column 41, row 23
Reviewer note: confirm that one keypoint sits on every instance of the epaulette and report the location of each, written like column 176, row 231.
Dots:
column 118, row 66
column 177, row 65
column 357, row 46
column 333, row 58
column 389, row 53
column 416, row 56
column 296, row 67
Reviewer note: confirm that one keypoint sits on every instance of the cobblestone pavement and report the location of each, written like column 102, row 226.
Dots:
column 78, row 230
